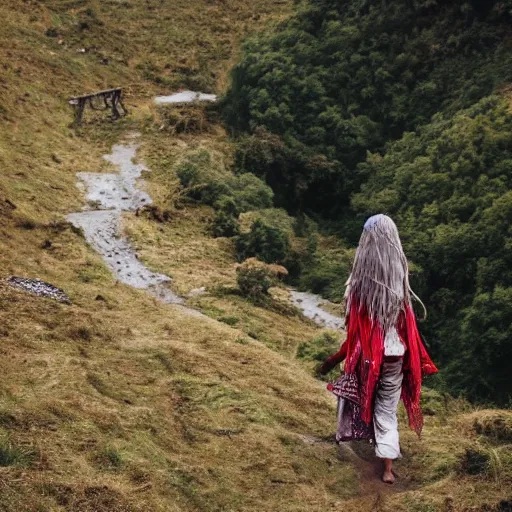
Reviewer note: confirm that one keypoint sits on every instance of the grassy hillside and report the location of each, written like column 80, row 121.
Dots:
column 120, row 403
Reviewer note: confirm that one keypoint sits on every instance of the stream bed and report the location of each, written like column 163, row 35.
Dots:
column 108, row 196
column 311, row 307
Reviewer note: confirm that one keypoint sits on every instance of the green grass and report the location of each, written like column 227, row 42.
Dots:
column 11, row 455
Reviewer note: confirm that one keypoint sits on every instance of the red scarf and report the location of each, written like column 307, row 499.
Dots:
column 365, row 345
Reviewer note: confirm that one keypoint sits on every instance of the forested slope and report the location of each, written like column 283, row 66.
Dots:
column 357, row 107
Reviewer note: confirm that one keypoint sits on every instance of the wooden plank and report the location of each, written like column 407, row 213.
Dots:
column 95, row 94
column 114, row 96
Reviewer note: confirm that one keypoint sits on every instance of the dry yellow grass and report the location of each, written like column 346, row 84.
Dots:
column 118, row 402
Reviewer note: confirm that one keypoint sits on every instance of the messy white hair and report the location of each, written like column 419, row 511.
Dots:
column 380, row 275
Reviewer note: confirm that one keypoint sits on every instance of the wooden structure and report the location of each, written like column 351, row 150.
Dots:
column 111, row 99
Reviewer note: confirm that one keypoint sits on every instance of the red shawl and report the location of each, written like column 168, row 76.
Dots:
column 365, row 339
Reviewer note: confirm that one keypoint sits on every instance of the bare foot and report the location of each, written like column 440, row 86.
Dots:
column 388, row 477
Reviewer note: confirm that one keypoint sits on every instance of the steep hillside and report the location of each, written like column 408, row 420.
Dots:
column 118, row 402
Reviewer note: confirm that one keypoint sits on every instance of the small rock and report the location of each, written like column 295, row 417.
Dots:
column 39, row 288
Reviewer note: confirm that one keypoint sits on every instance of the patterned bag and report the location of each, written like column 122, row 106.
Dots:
column 347, row 387
column 350, row 425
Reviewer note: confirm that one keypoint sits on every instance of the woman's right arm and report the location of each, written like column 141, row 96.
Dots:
column 333, row 360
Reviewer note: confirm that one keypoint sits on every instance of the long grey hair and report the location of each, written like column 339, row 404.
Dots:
column 380, row 275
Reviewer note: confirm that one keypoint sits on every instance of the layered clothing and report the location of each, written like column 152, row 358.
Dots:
column 364, row 354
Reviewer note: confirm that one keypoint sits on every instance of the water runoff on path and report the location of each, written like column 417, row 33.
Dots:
column 311, row 307
column 109, row 195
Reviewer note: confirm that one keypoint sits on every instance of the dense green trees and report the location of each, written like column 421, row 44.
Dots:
column 341, row 78
column 399, row 106
column 449, row 187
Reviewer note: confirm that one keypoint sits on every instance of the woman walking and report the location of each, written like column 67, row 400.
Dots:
column 385, row 356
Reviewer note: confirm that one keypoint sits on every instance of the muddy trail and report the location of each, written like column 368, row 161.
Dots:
column 311, row 307
column 109, row 195
column 361, row 456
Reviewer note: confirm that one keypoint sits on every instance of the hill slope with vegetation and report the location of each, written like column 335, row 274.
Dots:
column 403, row 107
column 117, row 402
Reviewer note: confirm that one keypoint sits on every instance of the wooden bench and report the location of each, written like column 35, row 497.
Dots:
column 102, row 100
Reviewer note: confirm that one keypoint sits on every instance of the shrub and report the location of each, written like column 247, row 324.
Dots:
column 225, row 225
column 267, row 243
column 319, row 348
column 254, row 277
column 228, row 205
column 250, row 192
column 187, row 174
column 205, row 179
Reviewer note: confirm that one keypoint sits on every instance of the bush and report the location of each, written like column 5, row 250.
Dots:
column 267, row 243
column 206, row 179
column 320, row 348
column 254, row 278
column 228, row 205
column 225, row 225
column 250, row 192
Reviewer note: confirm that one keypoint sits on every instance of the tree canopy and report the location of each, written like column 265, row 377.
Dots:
column 404, row 107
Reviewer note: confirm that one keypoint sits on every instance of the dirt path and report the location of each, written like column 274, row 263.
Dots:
column 372, row 490
column 361, row 455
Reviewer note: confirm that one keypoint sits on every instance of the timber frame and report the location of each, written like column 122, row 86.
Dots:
column 103, row 100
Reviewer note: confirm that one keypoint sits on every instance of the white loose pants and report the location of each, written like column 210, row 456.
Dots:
column 385, row 419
